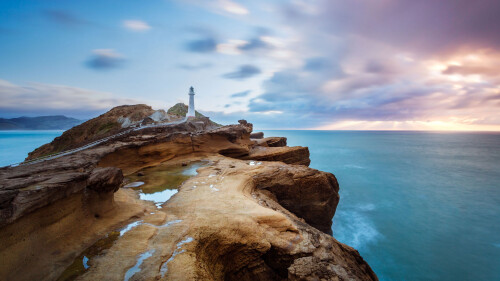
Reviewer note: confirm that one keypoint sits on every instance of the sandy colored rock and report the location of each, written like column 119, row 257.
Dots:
column 40, row 245
column 223, row 225
column 263, row 218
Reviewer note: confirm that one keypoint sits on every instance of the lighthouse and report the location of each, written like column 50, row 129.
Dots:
column 191, row 111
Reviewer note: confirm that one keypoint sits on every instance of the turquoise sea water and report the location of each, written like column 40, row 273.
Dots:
column 15, row 145
column 417, row 205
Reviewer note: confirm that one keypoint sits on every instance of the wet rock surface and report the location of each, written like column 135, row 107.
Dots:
column 257, row 212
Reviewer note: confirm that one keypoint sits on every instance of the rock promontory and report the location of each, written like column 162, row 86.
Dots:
column 253, row 211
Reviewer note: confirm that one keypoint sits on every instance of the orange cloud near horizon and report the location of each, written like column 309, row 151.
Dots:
column 416, row 125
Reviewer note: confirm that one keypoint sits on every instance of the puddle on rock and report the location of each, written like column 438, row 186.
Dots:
column 134, row 184
column 158, row 184
column 129, row 227
column 178, row 250
column 81, row 263
column 137, row 267
column 161, row 182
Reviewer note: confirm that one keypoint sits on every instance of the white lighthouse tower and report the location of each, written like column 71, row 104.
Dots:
column 191, row 111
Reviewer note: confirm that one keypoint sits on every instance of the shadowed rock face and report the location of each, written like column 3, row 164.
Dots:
column 309, row 194
column 257, row 135
column 239, row 219
column 105, row 179
column 291, row 155
column 271, row 142
column 275, row 141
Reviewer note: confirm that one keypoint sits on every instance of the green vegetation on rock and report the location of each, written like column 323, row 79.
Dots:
column 181, row 110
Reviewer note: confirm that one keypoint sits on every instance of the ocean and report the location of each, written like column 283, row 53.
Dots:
column 15, row 145
column 416, row 205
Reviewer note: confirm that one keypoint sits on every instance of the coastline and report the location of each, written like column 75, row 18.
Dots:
column 265, row 208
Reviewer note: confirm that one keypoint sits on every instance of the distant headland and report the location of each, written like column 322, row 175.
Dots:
column 52, row 122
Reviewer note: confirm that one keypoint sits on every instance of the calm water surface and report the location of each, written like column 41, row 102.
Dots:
column 417, row 205
column 15, row 145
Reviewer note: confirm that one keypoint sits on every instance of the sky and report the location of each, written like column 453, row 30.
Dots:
column 316, row 64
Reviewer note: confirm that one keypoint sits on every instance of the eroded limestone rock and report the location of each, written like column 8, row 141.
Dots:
column 237, row 220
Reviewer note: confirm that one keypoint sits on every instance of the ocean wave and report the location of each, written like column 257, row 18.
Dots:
column 366, row 207
column 354, row 229
column 353, row 166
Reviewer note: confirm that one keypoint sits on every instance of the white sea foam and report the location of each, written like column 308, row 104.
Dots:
column 354, row 229
column 367, row 207
column 353, row 166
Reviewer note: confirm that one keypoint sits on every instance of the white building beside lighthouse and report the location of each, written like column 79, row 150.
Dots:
column 191, row 111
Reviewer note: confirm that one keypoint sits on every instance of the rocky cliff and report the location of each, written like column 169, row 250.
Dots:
column 256, row 212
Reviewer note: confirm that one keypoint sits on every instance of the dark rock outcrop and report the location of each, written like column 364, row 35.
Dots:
column 272, row 142
column 297, row 155
column 105, row 179
column 308, row 193
column 257, row 135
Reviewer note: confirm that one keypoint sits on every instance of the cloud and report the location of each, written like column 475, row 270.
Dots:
column 195, row 67
column 232, row 7
column 205, row 45
column 65, row 18
column 105, row 59
column 136, row 25
column 421, row 26
column 225, row 7
column 259, row 42
column 48, row 99
column 241, row 94
column 471, row 70
column 243, row 72
column 254, row 44
column 392, row 91
column 343, row 68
